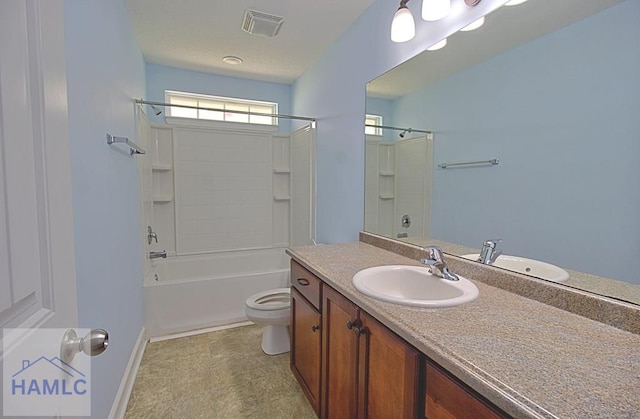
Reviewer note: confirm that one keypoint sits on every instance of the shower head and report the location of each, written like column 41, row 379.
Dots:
column 156, row 110
column 404, row 132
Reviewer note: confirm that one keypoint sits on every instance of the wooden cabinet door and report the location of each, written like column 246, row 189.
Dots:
column 305, row 347
column 448, row 399
column 389, row 373
column 339, row 356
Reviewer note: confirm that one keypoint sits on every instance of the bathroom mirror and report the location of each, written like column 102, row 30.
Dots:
column 550, row 92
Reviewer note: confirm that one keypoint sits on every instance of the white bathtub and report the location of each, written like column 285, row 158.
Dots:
column 195, row 292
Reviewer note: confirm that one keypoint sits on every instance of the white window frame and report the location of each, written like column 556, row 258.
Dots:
column 373, row 120
column 225, row 104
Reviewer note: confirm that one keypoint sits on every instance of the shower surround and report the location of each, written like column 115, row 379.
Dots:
column 225, row 203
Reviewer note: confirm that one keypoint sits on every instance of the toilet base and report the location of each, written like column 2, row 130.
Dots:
column 275, row 339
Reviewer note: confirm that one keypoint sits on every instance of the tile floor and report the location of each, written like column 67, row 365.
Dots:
column 221, row 374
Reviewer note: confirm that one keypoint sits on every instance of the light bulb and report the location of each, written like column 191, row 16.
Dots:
column 403, row 27
column 514, row 2
column 435, row 9
column 473, row 25
column 438, row 45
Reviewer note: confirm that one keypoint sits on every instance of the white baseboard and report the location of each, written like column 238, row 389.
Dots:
column 119, row 406
column 200, row 331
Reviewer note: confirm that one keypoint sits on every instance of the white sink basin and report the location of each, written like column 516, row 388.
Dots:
column 413, row 286
column 526, row 266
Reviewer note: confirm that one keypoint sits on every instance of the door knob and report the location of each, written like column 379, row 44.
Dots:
column 93, row 344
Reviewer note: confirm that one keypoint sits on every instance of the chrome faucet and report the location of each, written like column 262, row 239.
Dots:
column 151, row 235
column 437, row 265
column 157, row 255
column 490, row 252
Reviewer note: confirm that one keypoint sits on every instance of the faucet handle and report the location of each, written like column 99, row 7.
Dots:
column 492, row 243
column 151, row 235
column 489, row 252
column 437, row 265
column 434, row 256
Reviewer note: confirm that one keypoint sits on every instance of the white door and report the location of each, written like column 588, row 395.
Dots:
column 37, row 268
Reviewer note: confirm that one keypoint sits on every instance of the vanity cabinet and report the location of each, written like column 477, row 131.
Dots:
column 306, row 334
column 369, row 372
column 350, row 365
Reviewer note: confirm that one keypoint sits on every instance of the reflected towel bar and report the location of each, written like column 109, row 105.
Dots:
column 133, row 147
column 492, row 162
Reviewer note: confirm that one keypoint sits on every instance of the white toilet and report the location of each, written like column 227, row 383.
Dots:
column 271, row 309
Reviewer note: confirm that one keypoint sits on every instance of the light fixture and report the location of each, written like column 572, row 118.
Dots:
column 232, row 60
column 403, row 27
column 435, row 9
column 514, row 2
column 473, row 25
column 438, row 45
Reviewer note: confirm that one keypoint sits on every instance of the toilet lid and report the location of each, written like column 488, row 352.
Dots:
column 275, row 299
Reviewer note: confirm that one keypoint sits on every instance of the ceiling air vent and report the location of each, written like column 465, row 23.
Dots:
column 261, row 24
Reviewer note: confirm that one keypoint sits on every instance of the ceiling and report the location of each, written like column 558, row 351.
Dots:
column 505, row 28
column 196, row 34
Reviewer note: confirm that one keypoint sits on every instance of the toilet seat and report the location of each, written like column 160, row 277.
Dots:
column 275, row 299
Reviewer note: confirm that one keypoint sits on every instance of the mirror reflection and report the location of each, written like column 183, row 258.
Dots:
column 550, row 93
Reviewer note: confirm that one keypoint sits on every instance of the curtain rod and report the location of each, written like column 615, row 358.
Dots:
column 398, row 129
column 148, row 102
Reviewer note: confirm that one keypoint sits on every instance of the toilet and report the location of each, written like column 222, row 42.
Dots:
column 271, row 309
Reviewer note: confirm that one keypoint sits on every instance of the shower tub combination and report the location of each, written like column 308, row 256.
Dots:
column 186, row 293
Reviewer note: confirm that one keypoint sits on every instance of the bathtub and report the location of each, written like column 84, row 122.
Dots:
column 186, row 293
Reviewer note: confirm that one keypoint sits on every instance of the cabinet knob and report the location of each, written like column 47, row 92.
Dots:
column 303, row 282
column 350, row 324
column 315, row 328
column 360, row 331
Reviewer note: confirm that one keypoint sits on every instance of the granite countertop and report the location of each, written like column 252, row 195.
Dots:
column 528, row 358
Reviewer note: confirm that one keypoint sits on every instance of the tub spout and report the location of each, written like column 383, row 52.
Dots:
column 157, row 255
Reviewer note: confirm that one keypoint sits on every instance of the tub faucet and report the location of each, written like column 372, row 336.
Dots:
column 437, row 265
column 157, row 255
column 490, row 252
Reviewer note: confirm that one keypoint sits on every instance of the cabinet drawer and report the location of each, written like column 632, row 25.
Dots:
column 306, row 283
column 446, row 398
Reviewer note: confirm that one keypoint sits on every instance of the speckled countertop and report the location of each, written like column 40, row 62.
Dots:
column 528, row 358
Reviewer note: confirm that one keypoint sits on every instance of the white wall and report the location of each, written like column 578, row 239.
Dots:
column 223, row 182
column 105, row 73
column 333, row 90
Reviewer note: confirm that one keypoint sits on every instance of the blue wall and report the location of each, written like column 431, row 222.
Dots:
column 333, row 90
column 383, row 108
column 563, row 115
column 105, row 73
column 161, row 78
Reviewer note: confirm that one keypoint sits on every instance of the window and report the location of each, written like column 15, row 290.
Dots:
column 372, row 120
column 220, row 108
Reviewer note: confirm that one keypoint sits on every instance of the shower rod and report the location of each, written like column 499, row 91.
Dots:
column 151, row 103
column 398, row 128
